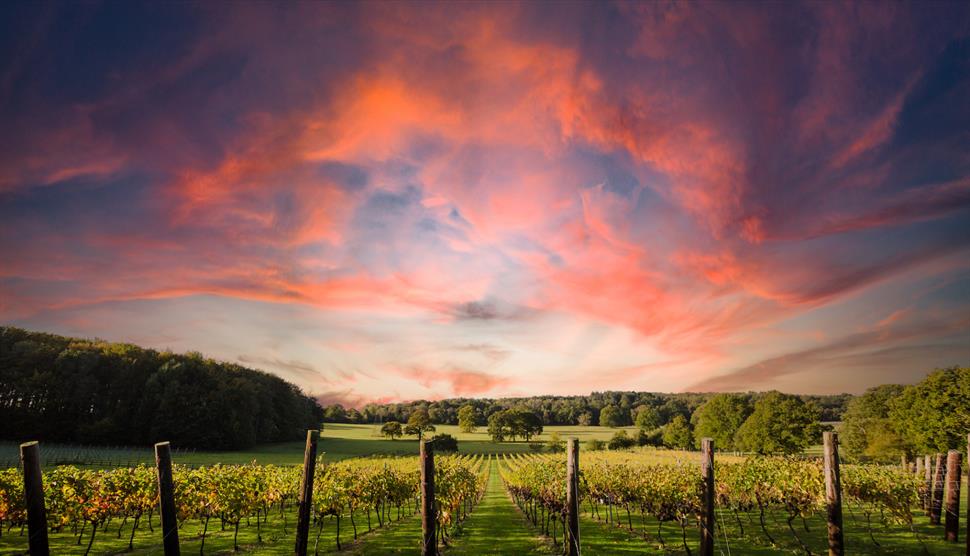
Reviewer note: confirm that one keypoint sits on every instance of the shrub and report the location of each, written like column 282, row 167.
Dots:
column 445, row 443
column 651, row 438
column 556, row 443
column 621, row 440
column 595, row 445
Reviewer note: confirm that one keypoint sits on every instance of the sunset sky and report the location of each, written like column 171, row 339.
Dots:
column 385, row 202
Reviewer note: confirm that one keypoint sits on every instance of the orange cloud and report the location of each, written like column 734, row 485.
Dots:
column 466, row 176
column 462, row 382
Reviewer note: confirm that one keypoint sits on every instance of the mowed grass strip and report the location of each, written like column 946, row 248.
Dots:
column 600, row 538
column 495, row 526
column 399, row 537
column 272, row 538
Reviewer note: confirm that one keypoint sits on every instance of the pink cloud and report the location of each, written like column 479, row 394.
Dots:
column 693, row 175
column 462, row 382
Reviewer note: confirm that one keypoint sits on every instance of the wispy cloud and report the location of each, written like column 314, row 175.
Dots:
column 562, row 192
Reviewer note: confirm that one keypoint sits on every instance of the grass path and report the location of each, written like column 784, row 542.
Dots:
column 401, row 537
column 496, row 526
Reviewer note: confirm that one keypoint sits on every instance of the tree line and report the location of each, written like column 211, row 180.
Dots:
column 565, row 410
column 62, row 389
column 769, row 423
column 883, row 424
column 509, row 424
column 892, row 421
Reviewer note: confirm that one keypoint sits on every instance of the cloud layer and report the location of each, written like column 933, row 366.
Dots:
column 398, row 201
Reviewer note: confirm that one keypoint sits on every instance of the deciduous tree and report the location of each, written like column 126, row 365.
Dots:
column 392, row 429
column 611, row 416
column 466, row 418
column 677, row 434
column 934, row 415
column 780, row 423
column 867, row 430
column 719, row 418
column 419, row 423
column 647, row 418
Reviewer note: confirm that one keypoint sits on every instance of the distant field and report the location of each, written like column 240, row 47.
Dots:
column 343, row 440
column 371, row 432
column 339, row 441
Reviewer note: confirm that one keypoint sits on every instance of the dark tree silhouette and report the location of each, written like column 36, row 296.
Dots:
column 63, row 389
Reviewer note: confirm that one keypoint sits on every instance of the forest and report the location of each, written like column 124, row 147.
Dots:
column 59, row 389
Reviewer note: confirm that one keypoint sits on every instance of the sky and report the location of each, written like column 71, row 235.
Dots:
column 399, row 201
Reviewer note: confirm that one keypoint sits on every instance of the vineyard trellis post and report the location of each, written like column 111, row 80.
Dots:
column 306, row 492
column 928, row 478
column 166, row 499
column 952, row 523
column 936, row 496
column 707, row 516
column 572, row 495
column 34, row 494
column 429, row 543
column 833, row 493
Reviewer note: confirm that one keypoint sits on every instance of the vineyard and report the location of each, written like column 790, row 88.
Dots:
column 635, row 501
column 763, row 504
column 88, row 508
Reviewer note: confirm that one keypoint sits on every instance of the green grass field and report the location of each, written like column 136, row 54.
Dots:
column 343, row 440
column 339, row 441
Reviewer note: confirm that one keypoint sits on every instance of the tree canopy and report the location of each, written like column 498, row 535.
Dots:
column 677, row 434
column 867, row 431
column 419, row 423
column 392, row 430
column 780, row 423
column 467, row 417
column 611, row 416
column 647, row 418
column 934, row 415
column 564, row 410
column 720, row 417
column 514, row 423
column 63, row 389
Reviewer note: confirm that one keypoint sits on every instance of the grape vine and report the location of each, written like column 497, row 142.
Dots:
column 83, row 502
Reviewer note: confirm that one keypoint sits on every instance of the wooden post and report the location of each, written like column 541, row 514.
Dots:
column 707, row 503
column 952, row 523
column 928, row 478
column 306, row 492
column 936, row 497
column 166, row 499
column 919, row 467
column 833, row 493
column 572, row 496
column 429, row 523
column 34, row 495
